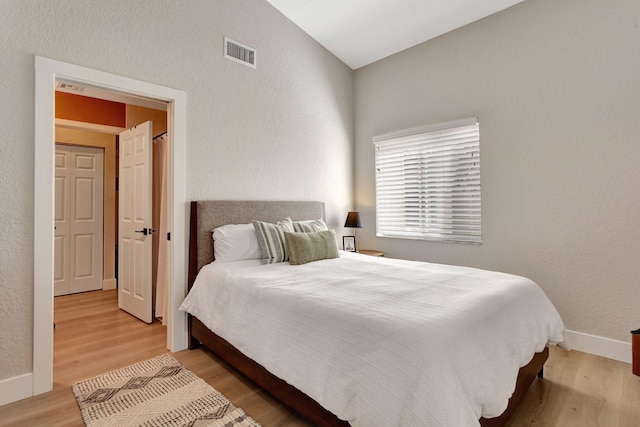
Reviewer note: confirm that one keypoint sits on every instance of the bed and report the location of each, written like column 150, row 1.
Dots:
column 342, row 398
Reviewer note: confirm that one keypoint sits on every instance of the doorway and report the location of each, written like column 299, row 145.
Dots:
column 135, row 146
column 47, row 72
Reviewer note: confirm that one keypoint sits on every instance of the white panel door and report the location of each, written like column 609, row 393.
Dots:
column 79, row 219
column 134, row 222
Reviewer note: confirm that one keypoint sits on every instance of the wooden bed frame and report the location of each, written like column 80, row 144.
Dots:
column 207, row 215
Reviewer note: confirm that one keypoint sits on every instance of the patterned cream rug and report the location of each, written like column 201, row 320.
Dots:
column 157, row 392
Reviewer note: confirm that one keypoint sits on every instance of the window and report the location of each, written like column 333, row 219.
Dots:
column 428, row 183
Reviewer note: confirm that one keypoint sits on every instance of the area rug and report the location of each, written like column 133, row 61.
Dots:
column 156, row 392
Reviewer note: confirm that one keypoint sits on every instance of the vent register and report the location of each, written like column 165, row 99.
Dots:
column 239, row 52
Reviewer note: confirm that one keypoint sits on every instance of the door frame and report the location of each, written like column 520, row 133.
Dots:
column 47, row 71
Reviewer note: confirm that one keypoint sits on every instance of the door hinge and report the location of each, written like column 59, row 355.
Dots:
column 168, row 236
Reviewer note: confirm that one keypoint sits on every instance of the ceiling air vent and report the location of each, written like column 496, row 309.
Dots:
column 240, row 53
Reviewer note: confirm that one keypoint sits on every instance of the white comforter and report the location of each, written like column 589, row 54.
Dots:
column 379, row 341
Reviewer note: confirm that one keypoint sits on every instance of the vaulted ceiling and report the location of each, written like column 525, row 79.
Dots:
column 360, row 32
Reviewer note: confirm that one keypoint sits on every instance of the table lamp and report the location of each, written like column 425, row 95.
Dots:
column 353, row 221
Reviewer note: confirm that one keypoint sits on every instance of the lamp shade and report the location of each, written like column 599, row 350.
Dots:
column 354, row 220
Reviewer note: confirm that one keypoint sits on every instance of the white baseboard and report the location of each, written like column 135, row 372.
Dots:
column 16, row 388
column 599, row 346
column 109, row 284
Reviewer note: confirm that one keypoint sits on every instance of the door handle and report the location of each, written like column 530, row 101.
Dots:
column 146, row 231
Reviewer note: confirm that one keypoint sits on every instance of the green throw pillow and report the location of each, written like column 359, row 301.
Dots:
column 306, row 247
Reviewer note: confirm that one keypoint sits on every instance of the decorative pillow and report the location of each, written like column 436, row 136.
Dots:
column 235, row 242
column 310, row 225
column 271, row 240
column 314, row 246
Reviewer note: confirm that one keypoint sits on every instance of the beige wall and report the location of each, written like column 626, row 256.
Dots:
column 556, row 85
column 281, row 131
column 108, row 143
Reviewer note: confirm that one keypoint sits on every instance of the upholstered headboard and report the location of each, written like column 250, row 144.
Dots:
column 209, row 214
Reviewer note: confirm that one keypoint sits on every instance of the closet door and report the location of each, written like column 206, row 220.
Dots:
column 79, row 219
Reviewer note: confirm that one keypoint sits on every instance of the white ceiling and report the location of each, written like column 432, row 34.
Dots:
column 360, row 32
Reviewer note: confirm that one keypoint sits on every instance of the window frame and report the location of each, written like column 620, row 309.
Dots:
column 449, row 151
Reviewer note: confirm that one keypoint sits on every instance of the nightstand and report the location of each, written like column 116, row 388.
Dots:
column 370, row 252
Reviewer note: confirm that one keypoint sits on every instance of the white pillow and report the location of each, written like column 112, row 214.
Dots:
column 235, row 242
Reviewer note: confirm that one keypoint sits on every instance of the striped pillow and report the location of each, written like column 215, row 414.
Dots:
column 310, row 225
column 271, row 240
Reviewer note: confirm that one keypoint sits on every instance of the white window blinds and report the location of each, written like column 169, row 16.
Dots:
column 428, row 183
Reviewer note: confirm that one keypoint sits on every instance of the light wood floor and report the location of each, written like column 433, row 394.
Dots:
column 92, row 337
